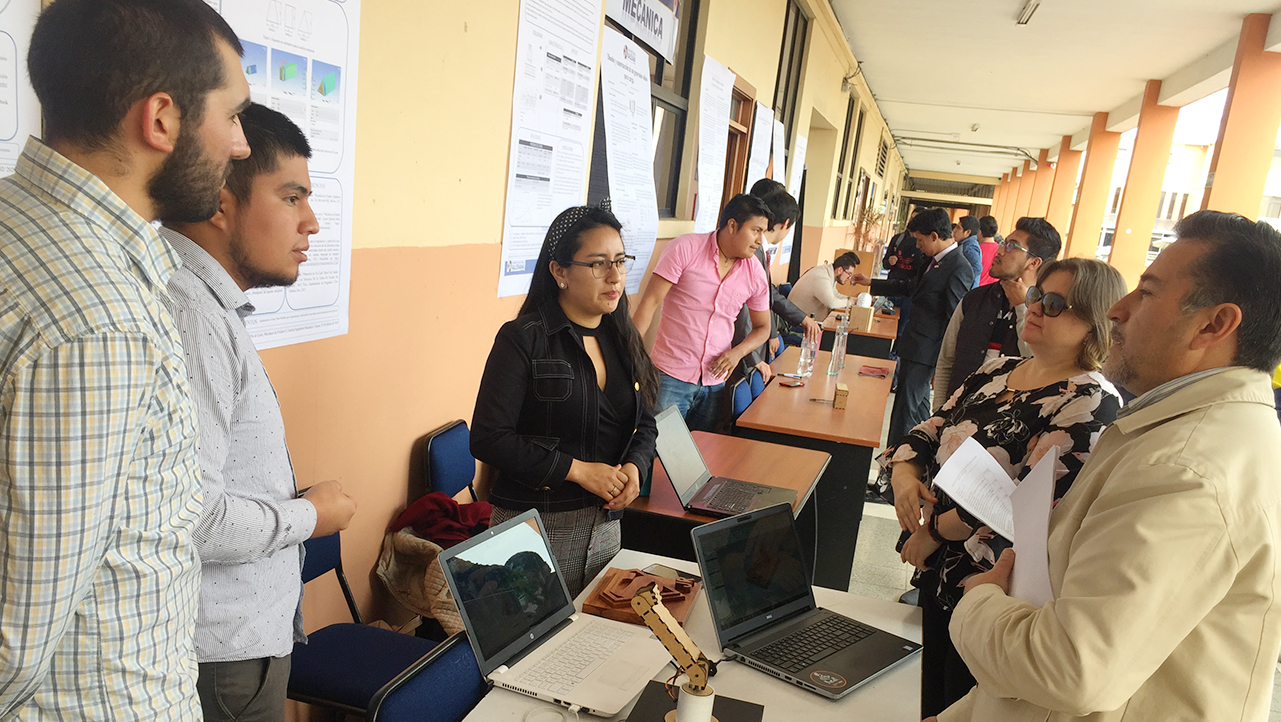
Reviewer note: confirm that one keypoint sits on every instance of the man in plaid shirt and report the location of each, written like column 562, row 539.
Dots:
column 99, row 481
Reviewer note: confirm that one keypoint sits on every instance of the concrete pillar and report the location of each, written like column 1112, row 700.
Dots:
column 1142, row 195
column 1096, row 183
column 1042, row 182
column 998, row 197
column 1011, row 200
column 1027, row 181
column 1248, row 131
column 1066, row 170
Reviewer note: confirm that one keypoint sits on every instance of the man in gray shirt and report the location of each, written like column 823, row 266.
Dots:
column 252, row 527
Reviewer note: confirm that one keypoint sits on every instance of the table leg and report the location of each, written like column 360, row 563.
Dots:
column 836, row 507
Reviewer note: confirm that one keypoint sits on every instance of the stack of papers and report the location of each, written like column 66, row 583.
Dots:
column 1018, row 512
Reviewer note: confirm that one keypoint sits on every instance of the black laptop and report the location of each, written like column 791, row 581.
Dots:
column 763, row 609
column 697, row 489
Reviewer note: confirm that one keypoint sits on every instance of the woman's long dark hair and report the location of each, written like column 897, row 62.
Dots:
column 561, row 246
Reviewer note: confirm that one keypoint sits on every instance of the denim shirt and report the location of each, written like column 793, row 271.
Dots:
column 538, row 409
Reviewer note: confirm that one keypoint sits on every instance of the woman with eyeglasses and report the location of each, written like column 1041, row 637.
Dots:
column 564, row 411
column 1018, row 409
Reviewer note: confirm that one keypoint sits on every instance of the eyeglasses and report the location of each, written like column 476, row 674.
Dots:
column 1007, row 245
column 1052, row 304
column 600, row 269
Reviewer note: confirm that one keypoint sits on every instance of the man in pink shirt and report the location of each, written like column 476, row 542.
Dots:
column 701, row 281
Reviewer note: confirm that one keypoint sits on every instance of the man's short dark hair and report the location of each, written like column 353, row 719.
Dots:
column 1043, row 239
column 272, row 136
column 987, row 227
column 91, row 60
column 765, row 186
column 1241, row 265
column 847, row 260
column 970, row 224
column 742, row 208
column 931, row 220
column 782, row 207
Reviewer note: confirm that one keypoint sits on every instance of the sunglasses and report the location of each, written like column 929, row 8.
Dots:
column 1052, row 304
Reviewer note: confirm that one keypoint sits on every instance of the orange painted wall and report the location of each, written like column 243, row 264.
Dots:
column 1096, row 183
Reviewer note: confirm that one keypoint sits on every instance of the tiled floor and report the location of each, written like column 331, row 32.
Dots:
column 878, row 573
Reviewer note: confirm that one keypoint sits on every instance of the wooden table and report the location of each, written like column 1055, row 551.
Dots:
column 787, row 416
column 658, row 524
column 892, row 697
column 877, row 342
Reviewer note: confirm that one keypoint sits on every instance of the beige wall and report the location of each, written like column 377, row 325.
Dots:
column 429, row 194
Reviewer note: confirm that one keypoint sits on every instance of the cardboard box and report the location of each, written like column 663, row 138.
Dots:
column 861, row 318
column 842, row 395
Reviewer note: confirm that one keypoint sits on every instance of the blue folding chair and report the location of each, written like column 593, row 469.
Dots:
column 343, row 666
column 742, row 396
column 442, row 461
column 756, row 381
column 442, row 686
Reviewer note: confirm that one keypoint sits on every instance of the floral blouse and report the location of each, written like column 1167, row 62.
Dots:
column 1017, row 431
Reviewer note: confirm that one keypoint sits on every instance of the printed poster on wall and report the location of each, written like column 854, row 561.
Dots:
column 556, row 43
column 624, row 78
column 301, row 59
column 794, row 188
column 713, row 139
column 19, row 109
column 780, row 150
column 758, row 153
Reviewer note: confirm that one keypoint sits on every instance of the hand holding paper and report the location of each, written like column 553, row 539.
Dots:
column 1020, row 513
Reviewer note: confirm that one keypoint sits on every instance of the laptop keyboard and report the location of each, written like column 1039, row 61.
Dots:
column 807, row 646
column 571, row 662
column 733, row 497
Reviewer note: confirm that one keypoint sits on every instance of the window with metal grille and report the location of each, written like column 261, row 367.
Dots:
column 850, row 174
column 787, row 87
column 669, row 98
column 882, row 155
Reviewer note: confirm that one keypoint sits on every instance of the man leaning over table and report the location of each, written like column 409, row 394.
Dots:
column 701, row 281
column 1163, row 555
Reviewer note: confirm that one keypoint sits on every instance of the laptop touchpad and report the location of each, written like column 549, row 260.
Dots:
column 619, row 673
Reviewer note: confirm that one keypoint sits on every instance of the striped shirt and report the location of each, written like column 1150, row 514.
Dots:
column 99, row 483
column 252, row 528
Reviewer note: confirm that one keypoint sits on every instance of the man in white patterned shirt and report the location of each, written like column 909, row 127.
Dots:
column 99, row 482
column 252, row 527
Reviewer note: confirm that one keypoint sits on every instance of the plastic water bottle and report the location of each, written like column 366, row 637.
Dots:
column 838, row 345
column 805, row 367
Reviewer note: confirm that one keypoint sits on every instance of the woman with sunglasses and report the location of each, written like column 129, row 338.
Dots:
column 1018, row 409
column 564, row 411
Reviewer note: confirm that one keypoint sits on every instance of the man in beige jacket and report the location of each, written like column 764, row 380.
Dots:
column 1163, row 555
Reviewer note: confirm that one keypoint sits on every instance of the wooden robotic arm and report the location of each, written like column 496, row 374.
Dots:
column 689, row 659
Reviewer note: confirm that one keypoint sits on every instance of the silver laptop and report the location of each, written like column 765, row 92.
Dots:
column 697, row 489
column 525, row 632
column 763, row 609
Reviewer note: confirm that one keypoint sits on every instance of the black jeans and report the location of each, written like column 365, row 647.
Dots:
column 252, row 690
column 944, row 676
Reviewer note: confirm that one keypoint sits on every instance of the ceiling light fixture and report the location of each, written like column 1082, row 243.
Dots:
column 1029, row 8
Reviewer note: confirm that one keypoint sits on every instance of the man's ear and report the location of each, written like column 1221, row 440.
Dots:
column 227, row 205
column 1217, row 324
column 159, row 120
column 1033, row 264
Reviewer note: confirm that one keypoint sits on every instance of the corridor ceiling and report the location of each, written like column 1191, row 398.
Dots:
column 965, row 89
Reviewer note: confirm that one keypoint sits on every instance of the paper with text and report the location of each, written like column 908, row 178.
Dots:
column 1032, row 501
column 977, row 482
column 758, row 154
column 713, row 140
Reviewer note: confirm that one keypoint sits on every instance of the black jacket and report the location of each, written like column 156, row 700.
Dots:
column 934, row 297
column 981, row 308
column 537, row 411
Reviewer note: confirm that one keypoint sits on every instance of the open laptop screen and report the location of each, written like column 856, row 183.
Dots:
column 680, row 456
column 506, row 585
column 753, row 568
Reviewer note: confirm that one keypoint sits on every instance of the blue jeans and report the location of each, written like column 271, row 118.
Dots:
column 700, row 406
